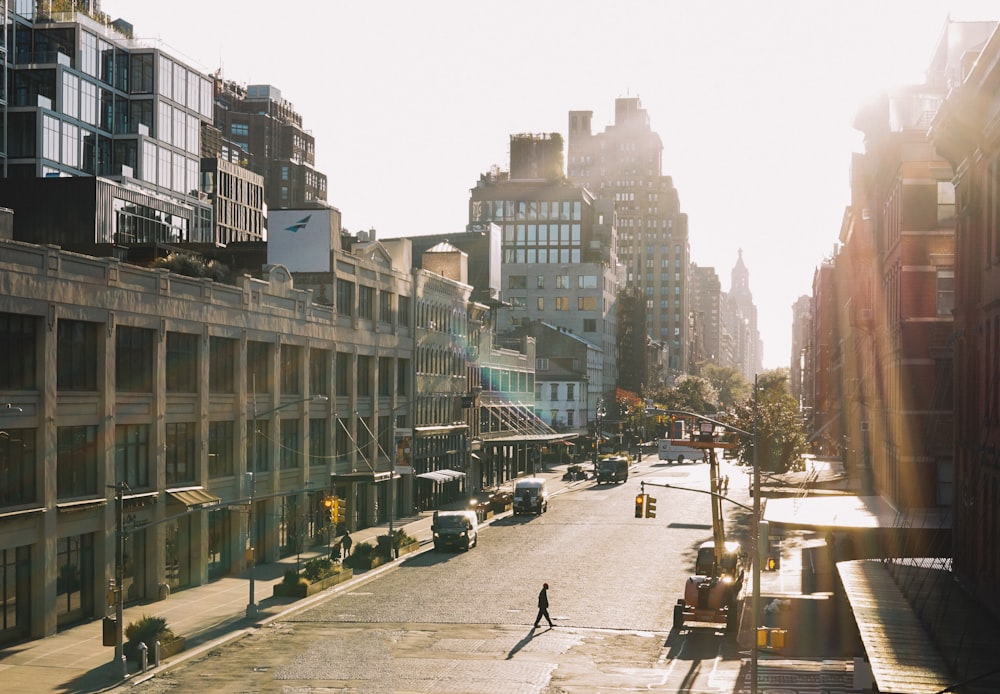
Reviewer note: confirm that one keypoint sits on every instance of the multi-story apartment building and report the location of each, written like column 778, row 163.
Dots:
column 706, row 308
column 131, row 126
column 964, row 132
column 559, row 259
column 623, row 165
column 265, row 131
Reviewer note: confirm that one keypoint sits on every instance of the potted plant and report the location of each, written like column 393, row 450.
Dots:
column 363, row 557
column 148, row 630
column 318, row 574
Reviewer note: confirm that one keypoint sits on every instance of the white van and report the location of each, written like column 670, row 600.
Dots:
column 670, row 452
column 530, row 496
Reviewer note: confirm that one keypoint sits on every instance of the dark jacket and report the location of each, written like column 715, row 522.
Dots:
column 543, row 599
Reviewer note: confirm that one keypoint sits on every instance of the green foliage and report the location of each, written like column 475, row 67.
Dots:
column 148, row 630
column 729, row 383
column 781, row 438
column 290, row 578
column 363, row 549
column 400, row 538
column 193, row 266
column 319, row 568
column 690, row 394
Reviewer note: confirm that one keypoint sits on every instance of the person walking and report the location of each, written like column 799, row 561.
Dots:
column 543, row 606
column 347, row 542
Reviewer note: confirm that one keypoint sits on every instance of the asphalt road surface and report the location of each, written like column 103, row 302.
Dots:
column 462, row 622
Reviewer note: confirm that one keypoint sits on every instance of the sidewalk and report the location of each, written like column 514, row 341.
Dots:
column 75, row 659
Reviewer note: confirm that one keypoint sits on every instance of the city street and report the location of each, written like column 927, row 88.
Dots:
column 463, row 621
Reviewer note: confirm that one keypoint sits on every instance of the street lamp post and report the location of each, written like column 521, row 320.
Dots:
column 252, row 609
column 598, row 415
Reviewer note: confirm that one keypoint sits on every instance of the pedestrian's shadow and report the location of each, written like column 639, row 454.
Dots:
column 524, row 642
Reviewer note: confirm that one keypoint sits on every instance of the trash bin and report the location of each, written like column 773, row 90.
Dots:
column 110, row 631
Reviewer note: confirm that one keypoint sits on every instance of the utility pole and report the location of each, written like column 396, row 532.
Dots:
column 120, row 662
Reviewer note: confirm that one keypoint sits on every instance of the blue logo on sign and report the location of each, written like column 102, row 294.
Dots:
column 299, row 225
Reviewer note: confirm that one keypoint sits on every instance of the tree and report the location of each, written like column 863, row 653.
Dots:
column 692, row 394
column 730, row 384
column 781, row 437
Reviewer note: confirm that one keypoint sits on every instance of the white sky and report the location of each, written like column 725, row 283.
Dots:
column 411, row 101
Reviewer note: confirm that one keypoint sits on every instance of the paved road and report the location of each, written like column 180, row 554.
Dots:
column 462, row 622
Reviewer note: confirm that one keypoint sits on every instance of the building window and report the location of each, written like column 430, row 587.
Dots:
column 945, row 291
column 76, row 356
column 364, row 376
column 291, row 370
column 221, row 365
column 180, row 453
column 74, row 577
column 540, row 303
column 366, row 302
column 342, row 441
column 517, row 282
column 344, row 368
column 291, row 448
column 562, row 303
column 18, row 344
column 590, row 325
column 385, row 306
column 385, row 373
column 318, row 441
column 553, row 391
column 403, row 316
column 569, row 417
column 345, row 297
column 562, row 281
column 945, row 203
column 18, row 467
column 319, row 371
column 182, row 363
column 76, row 461
column 586, row 303
column 258, row 445
column 221, row 447
column 133, row 360
column 541, row 282
column 570, row 391
column 132, row 455
column 402, row 376
column 258, row 367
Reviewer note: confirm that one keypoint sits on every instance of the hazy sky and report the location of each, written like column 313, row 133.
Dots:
column 410, row 101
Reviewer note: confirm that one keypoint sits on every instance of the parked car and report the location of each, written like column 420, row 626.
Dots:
column 455, row 529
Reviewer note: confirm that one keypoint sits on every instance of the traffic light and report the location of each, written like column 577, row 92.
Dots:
column 328, row 505
column 640, row 505
column 650, row 507
column 335, row 515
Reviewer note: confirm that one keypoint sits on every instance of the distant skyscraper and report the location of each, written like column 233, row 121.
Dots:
column 741, row 321
column 624, row 165
column 706, row 307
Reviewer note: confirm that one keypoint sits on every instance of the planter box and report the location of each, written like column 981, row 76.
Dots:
column 172, row 648
column 168, row 649
column 301, row 590
column 366, row 563
column 407, row 548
